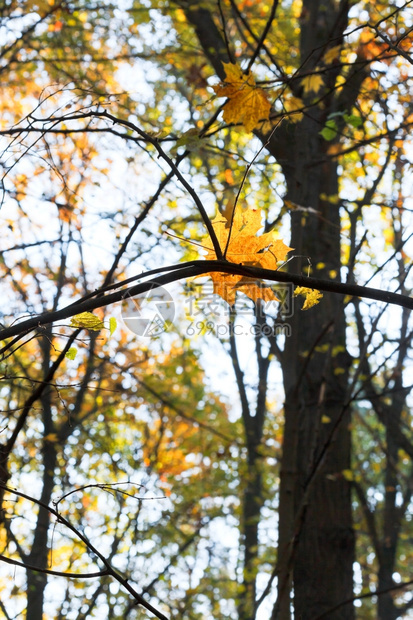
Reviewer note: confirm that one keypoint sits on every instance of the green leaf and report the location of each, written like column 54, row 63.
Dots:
column 329, row 131
column 190, row 140
column 71, row 354
column 353, row 120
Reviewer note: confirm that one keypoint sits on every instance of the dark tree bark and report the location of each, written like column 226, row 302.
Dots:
column 37, row 581
column 39, row 553
column 315, row 368
column 316, row 544
column 252, row 499
column 316, row 539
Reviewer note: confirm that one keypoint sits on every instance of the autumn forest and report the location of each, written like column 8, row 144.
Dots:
column 206, row 245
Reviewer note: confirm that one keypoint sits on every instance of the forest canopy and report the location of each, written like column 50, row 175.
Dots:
column 205, row 259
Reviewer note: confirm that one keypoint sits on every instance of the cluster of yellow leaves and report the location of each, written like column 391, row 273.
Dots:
column 312, row 296
column 166, row 454
column 245, row 248
column 21, row 183
column 247, row 104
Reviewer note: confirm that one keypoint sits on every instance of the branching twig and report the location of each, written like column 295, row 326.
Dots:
column 109, row 570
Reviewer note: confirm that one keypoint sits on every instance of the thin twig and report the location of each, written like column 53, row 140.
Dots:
column 247, row 169
column 264, row 35
column 109, row 568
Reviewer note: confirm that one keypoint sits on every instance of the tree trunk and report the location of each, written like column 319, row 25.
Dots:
column 39, row 553
column 316, row 539
column 252, row 498
column 315, row 368
column 386, row 607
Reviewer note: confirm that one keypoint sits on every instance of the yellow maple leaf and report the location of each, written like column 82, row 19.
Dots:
column 293, row 105
column 87, row 320
column 332, row 54
column 312, row 296
column 245, row 248
column 247, row 103
column 312, row 83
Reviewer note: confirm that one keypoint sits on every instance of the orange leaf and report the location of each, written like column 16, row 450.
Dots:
column 245, row 248
column 247, row 103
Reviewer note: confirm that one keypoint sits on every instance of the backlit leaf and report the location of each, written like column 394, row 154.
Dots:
column 87, row 320
column 51, row 437
column 353, row 120
column 112, row 324
column 247, row 104
column 312, row 296
column 329, row 130
column 348, row 475
column 190, row 140
column 332, row 54
column 293, row 105
column 245, row 248
column 312, row 83
column 71, row 354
